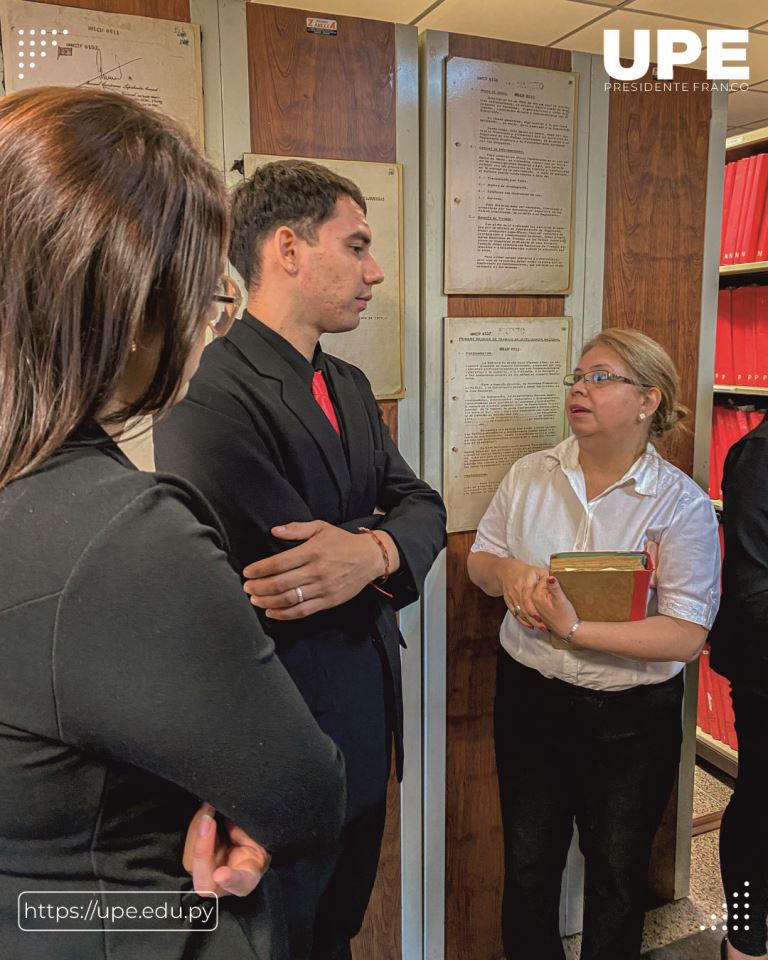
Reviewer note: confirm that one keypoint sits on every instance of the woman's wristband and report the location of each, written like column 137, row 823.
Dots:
column 568, row 638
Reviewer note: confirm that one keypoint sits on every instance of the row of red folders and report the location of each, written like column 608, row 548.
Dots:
column 744, row 230
column 714, row 710
column 741, row 345
column 714, row 713
column 729, row 424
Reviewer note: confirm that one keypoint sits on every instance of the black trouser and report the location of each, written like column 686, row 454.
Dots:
column 325, row 907
column 342, row 907
column 744, row 830
column 607, row 760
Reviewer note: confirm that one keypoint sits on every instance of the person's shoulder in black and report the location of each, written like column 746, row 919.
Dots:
column 739, row 648
column 137, row 683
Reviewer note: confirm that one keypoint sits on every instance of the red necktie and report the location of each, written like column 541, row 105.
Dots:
column 320, row 393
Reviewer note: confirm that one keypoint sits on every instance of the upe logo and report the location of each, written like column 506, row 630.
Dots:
column 675, row 48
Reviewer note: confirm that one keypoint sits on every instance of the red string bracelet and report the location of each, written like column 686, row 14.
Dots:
column 385, row 554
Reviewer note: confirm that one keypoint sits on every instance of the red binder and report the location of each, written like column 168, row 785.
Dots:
column 761, row 253
column 743, row 325
column 730, row 172
column 706, row 704
column 737, row 198
column 746, row 206
column 713, row 487
column 742, row 421
column 755, row 418
column 761, row 334
column 755, row 210
column 723, row 341
column 732, row 429
column 719, row 447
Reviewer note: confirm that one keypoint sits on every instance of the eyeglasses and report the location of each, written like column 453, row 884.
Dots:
column 600, row 376
column 229, row 297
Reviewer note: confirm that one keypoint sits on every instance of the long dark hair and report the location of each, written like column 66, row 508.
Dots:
column 112, row 230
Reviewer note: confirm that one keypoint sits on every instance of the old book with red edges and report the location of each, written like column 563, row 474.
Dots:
column 723, row 341
column 729, row 244
column 755, row 210
column 743, row 327
column 605, row 586
column 746, row 206
column 730, row 172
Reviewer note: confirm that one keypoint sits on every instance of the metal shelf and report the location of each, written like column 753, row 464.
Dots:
column 717, row 753
column 754, row 391
column 740, row 269
column 749, row 139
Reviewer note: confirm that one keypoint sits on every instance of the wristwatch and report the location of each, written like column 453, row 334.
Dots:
column 568, row 638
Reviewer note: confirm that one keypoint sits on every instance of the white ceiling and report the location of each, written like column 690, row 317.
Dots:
column 579, row 25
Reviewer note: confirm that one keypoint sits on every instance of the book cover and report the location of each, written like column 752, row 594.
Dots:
column 604, row 586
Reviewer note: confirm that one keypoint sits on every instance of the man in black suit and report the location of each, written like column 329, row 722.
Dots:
column 330, row 526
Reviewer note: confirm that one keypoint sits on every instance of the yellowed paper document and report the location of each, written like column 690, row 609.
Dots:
column 154, row 61
column 509, row 154
column 503, row 398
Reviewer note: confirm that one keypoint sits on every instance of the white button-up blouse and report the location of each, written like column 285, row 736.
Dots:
column 541, row 508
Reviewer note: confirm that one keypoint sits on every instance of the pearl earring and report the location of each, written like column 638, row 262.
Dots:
column 641, row 417
column 134, row 346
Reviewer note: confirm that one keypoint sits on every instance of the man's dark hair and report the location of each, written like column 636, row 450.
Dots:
column 287, row 193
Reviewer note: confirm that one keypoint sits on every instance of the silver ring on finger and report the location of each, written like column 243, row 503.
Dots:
column 517, row 609
column 299, row 596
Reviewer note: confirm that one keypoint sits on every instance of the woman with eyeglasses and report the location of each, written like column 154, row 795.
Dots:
column 136, row 681
column 589, row 728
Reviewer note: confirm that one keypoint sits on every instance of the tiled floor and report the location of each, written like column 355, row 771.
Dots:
column 677, row 926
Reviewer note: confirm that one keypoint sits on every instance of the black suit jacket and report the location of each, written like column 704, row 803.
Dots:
column 135, row 683
column 739, row 636
column 252, row 438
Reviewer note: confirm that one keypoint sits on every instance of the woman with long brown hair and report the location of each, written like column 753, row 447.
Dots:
column 136, row 681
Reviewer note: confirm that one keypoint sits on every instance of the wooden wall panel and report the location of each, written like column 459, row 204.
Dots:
column 474, row 854
column 654, row 224
column 320, row 96
column 334, row 97
column 157, row 9
column 655, row 208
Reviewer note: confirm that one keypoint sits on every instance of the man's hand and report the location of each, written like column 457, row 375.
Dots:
column 217, row 866
column 329, row 568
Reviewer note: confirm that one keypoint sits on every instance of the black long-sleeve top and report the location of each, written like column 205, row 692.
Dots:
column 739, row 636
column 135, row 683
